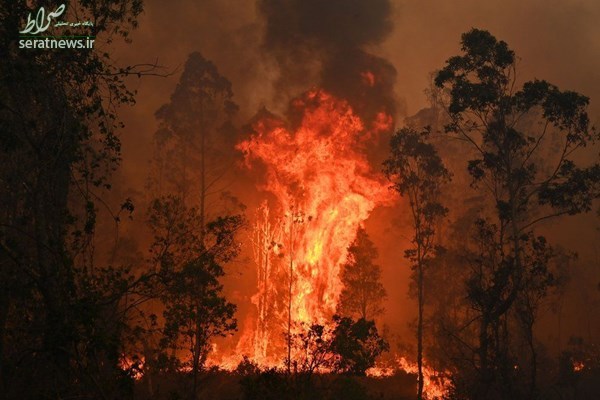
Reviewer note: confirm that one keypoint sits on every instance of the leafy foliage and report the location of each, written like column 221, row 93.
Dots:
column 363, row 294
column 190, row 268
column 59, row 146
column 418, row 173
column 314, row 348
column 528, row 178
column 357, row 343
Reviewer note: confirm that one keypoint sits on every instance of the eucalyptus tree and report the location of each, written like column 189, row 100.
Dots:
column 525, row 137
column 418, row 173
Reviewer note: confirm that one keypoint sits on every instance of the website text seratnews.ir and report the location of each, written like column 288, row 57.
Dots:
column 57, row 42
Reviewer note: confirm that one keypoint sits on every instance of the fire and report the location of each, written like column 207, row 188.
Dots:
column 323, row 189
column 368, row 78
column 134, row 366
column 383, row 122
column 436, row 385
column 381, row 371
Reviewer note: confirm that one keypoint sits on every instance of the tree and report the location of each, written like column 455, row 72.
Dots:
column 418, row 173
column 313, row 345
column 295, row 218
column 363, row 294
column 265, row 244
column 526, row 180
column 58, row 148
column 194, row 138
column 357, row 345
column 539, row 278
column 193, row 145
column 195, row 308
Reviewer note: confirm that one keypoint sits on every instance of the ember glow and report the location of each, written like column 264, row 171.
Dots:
column 578, row 366
column 133, row 366
column 436, row 384
column 368, row 78
column 323, row 189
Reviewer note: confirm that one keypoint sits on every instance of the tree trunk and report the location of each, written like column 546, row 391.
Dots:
column 533, row 366
column 49, row 205
column 4, row 307
column 420, row 331
column 196, row 360
column 289, row 325
column 533, row 370
column 482, row 390
column 202, row 211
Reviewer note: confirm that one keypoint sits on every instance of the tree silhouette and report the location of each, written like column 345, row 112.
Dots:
column 194, row 139
column 363, row 294
column 525, row 177
column 193, row 160
column 357, row 344
column 195, row 309
column 58, row 148
column 418, row 173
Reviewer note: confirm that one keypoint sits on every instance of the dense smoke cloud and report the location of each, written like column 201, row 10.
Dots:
column 324, row 43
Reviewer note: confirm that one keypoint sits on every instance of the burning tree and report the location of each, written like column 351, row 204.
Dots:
column 418, row 173
column 528, row 178
column 316, row 165
column 267, row 251
column 363, row 294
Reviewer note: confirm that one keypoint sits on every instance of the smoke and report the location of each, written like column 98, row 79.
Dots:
column 325, row 43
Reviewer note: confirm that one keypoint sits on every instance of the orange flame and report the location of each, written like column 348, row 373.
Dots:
column 134, row 366
column 324, row 189
column 368, row 78
column 436, row 384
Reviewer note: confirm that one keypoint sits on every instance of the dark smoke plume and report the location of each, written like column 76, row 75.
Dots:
column 325, row 43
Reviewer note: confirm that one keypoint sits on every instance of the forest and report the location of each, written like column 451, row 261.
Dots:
column 299, row 199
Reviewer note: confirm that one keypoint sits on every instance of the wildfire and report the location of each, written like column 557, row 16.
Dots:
column 134, row 366
column 436, row 384
column 578, row 366
column 324, row 189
